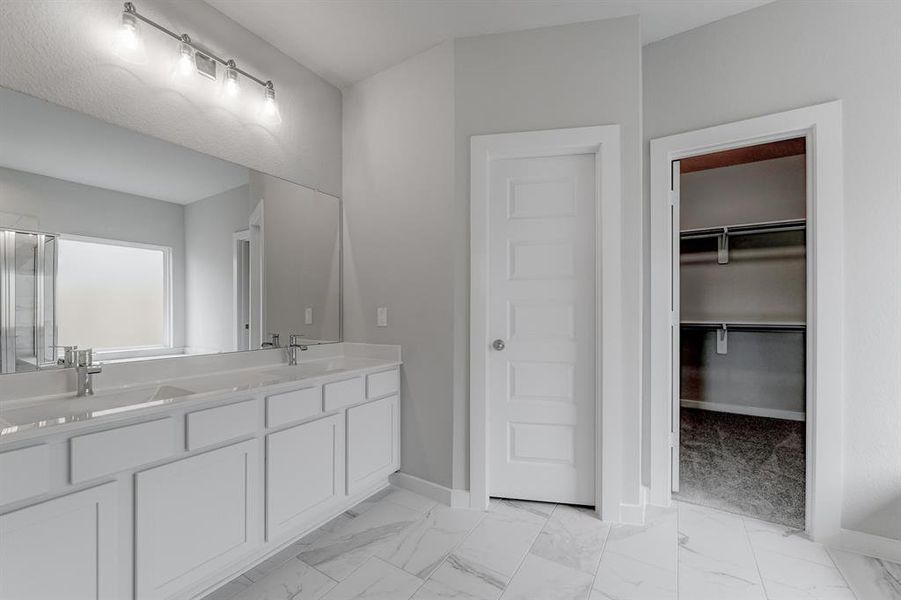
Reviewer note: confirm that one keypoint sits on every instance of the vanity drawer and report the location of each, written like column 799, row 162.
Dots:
column 382, row 383
column 293, row 406
column 220, row 424
column 24, row 473
column 97, row 454
column 343, row 393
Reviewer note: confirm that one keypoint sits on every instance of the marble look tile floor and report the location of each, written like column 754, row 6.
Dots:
column 400, row 546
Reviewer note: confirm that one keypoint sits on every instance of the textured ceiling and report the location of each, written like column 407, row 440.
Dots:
column 345, row 41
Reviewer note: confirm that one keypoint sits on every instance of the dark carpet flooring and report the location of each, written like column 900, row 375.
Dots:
column 748, row 465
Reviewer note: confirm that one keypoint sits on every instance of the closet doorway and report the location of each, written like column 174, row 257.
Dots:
column 739, row 403
column 821, row 224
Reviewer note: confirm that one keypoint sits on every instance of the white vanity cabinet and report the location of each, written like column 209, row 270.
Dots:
column 171, row 503
column 373, row 442
column 304, row 473
column 67, row 547
column 195, row 516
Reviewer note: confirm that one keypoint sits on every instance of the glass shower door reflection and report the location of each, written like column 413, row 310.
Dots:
column 27, row 300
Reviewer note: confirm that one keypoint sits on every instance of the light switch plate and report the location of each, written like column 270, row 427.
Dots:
column 308, row 316
column 381, row 316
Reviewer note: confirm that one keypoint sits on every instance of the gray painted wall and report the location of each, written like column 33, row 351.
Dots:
column 62, row 52
column 786, row 55
column 210, row 225
column 301, row 237
column 400, row 222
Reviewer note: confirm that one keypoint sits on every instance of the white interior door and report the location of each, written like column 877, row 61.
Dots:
column 542, row 316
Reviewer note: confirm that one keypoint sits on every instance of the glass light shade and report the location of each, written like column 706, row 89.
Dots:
column 269, row 112
column 230, row 87
column 184, row 65
column 129, row 46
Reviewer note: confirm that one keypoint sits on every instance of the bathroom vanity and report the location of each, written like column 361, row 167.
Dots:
column 155, row 439
column 167, row 489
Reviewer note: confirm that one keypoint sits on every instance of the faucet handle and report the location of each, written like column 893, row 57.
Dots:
column 84, row 358
column 295, row 339
column 68, row 358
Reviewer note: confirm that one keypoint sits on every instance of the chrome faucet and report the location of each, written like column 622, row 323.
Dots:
column 293, row 346
column 271, row 342
column 85, row 369
column 67, row 360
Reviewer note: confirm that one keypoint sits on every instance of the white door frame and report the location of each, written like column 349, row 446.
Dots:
column 604, row 142
column 240, row 290
column 821, row 125
column 257, row 229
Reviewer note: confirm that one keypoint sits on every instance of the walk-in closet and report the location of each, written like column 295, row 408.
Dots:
column 742, row 301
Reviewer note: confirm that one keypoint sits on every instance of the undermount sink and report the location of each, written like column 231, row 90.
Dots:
column 321, row 367
column 70, row 407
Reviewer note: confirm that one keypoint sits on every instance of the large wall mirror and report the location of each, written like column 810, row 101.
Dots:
column 139, row 248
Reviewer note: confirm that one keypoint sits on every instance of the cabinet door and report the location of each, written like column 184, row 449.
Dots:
column 373, row 442
column 304, row 473
column 62, row 548
column 193, row 517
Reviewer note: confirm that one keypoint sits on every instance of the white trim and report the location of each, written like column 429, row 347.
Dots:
column 237, row 322
column 604, row 142
column 257, row 310
column 634, row 514
column 739, row 409
column 822, row 126
column 445, row 495
column 866, row 544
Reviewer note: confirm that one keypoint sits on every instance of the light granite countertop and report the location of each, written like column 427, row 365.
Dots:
column 26, row 416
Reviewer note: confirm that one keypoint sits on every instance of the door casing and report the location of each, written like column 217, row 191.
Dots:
column 821, row 125
column 604, row 142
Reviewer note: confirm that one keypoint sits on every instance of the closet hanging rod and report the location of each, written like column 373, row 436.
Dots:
column 745, row 325
column 745, row 229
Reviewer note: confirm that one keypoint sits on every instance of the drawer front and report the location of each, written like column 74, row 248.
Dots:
column 343, row 393
column 24, row 473
column 293, row 406
column 383, row 383
column 97, row 454
column 220, row 424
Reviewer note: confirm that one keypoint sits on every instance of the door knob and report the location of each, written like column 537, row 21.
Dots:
column 498, row 344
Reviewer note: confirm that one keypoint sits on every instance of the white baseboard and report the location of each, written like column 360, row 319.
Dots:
column 445, row 495
column 867, row 544
column 754, row 411
column 633, row 514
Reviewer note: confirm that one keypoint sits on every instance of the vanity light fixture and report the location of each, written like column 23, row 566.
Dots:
column 130, row 47
column 269, row 112
column 185, row 64
column 230, row 86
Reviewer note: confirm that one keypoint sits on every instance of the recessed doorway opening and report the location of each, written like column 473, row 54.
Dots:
column 789, row 329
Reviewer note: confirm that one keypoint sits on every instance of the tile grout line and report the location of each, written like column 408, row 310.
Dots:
column 529, row 551
column 837, row 568
column 425, row 580
column 597, row 569
column 744, row 527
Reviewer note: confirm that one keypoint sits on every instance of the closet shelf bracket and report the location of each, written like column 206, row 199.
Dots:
column 722, row 248
column 722, row 339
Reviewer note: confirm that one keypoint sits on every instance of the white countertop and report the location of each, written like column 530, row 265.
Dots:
column 21, row 416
